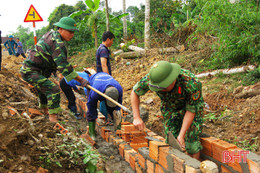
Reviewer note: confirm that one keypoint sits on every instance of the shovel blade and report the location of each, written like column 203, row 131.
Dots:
column 173, row 142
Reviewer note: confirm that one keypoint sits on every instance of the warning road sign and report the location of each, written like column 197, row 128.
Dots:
column 32, row 15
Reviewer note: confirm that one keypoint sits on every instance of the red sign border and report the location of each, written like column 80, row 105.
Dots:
column 36, row 13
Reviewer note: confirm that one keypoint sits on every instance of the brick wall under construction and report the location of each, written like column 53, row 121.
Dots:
column 151, row 156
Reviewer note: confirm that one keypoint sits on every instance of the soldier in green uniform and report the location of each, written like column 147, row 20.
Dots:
column 181, row 103
column 50, row 55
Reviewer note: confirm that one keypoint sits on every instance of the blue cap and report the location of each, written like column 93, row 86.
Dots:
column 10, row 36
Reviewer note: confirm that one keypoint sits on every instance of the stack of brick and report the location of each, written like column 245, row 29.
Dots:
column 157, row 157
column 221, row 152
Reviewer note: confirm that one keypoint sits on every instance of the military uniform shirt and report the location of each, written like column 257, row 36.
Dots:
column 50, row 55
column 185, row 96
column 186, row 93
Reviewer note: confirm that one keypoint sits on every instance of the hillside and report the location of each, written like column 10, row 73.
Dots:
column 226, row 117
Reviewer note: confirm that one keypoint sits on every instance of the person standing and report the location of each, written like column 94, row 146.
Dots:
column 181, row 103
column 0, row 50
column 10, row 45
column 103, row 53
column 19, row 48
column 50, row 55
column 66, row 87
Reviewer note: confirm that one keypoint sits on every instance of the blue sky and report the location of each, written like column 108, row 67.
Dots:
column 13, row 12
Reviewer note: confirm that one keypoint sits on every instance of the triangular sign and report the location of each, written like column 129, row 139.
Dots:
column 32, row 15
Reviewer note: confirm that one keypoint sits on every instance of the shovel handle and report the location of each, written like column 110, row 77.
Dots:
column 109, row 98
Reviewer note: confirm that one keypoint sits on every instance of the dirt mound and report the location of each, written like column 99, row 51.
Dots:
column 235, row 120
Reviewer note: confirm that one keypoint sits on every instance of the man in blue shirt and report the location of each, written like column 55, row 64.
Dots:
column 105, row 84
column 19, row 48
column 10, row 45
column 66, row 87
column 102, row 54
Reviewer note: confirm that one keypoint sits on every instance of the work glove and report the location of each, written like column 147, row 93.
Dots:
column 84, row 82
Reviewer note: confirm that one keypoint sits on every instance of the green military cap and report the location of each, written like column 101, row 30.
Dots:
column 162, row 74
column 114, row 94
column 67, row 23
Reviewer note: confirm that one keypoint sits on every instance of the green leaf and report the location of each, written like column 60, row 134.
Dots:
column 59, row 164
column 86, row 160
column 96, row 2
column 90, row 4
column 92, row 166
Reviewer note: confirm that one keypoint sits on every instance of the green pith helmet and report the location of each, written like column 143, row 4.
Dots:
column 67, row 23
column 114, row 94
column 162, row 74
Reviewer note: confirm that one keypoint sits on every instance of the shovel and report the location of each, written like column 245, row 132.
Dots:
column 174, row 143
column 109, row 98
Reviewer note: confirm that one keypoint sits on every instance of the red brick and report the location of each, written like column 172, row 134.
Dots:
column 178, row 164
column 150, row 166
column 253, row 166
column 158, row 169
column 218, row 147
column 138, row 168
column 154, row 149
column 12, row 110
column 141, row 161
column 224, row 170
column 128, row 128
column 163, row 153
column 111, row 138
column 133, row 158
column 103, row 132
column 135, row 146
column 138, row 139
column 121, row 149
column 117, row 141
column 127, row 154
column 88, row 139
column 107, row 134
column 126, row 137
column 34, row 112
column 119, row 133
column 42, row 170
column 236, row 166
column 125, row 123
column 207, row 145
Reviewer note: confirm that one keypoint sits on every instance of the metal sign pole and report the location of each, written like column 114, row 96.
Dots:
column 34, row 33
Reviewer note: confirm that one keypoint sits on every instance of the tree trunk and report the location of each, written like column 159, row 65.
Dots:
column 147, row 25
column 107, row 15
column 132, row 55
column 96, row 39
column 124, row 21
column 227, row 71
column 131, row 47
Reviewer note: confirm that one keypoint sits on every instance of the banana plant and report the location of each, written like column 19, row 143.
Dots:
column 95, row 18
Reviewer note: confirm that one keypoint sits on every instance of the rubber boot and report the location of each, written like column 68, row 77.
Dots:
column 74, row 110
column 91, row 131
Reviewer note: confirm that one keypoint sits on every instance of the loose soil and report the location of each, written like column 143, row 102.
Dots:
column 22, row 145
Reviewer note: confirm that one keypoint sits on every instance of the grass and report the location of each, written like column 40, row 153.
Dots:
column 231, row 81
